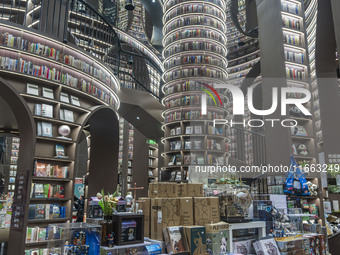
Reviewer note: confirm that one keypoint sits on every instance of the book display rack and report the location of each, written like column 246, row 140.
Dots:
column 297, row 73
column 153, row 161
column 190, row 137
column 59, row 84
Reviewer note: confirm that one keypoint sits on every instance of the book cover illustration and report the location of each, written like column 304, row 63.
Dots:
column 177, row 240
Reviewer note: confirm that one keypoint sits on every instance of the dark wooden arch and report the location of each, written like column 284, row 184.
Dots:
column 104, row 129
column 27, row 135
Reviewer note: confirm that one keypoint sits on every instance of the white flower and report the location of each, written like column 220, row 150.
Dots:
column 99, row 196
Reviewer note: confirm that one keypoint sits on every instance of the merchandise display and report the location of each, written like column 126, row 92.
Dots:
column 169, row 127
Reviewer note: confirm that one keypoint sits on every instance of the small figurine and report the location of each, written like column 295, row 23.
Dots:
column 110, row 239
column 131, row 236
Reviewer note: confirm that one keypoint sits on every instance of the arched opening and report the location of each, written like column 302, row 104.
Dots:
column 17, row 117
column 98, row 143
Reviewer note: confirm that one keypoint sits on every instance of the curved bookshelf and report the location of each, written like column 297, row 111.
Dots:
column 195, row 58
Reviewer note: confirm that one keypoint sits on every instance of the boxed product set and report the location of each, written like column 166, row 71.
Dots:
column 210, row 239
column 171, row 204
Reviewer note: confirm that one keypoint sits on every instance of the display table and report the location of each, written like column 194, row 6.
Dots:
column 260, row 225
column 123, row 249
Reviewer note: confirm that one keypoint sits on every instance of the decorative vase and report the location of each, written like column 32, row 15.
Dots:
column 107, row 228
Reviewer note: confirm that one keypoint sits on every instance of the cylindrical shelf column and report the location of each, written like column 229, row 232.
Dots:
column 195, row 60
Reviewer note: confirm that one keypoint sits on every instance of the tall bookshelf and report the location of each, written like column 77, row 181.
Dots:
column 195, row 56
column 59, row 84
column 153, row 161
column 297, row 74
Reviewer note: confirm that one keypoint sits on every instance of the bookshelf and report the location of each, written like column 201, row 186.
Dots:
column 195, row 55
column 153, row 161
column 60, row 84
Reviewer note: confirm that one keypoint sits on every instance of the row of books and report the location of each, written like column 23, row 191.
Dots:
column 48, row 170
column 19, row 43
column 191, row 21
column 194, row 59
column 296, row 57
column 192, row 115
column 241, row 68
column 196, row 45
column 192, row 8
column 189, row 130
column 188, row 100
column 243, row 60
column 195, row 159
column 52, row 74
column 46, row 211
column 193, row 72
column 40, row 190
column 292, row 8
column 184, row 86
column 43, row 251
column 193, row 145
column 291, row 23
column 192, row 33
column 295, row 40
column 213, row 145
column 295, row 73
column 50, row 52
column 40, row 234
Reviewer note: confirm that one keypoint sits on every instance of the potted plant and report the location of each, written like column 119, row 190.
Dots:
column 108, row 203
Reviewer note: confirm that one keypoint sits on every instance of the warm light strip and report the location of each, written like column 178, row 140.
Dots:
column 117, row 82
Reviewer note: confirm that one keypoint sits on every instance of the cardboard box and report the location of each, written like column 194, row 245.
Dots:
column 206, row 210
column 194, row 190
column 266, row 247
column 217, row 238
column 167, row 212
column 146, row 207
column 189, row 190
column 162, row 189
column 186, row 209
column 196, row 238
column 164, row 213
column 297, row 252
column 182, row 190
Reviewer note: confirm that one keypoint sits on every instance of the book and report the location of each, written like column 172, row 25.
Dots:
column 178, row 131
column 186, row 160
column 60, row 151
column 37, row 109
column 198, row 129
column 187, row 145
column 46, row 129
column 175, row 240
column 40, row 170
column 64, row 97
column 32, row 89
column 66, row 115
column 47, row 110
column 75, row 100
column 48, row 93
column 189, row 130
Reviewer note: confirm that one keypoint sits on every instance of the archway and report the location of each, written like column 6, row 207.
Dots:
column 19, row 118
column 103, row 128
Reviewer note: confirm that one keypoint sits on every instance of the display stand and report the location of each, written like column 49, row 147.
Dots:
column 260, row 225
column 123, row 249
column 120, row 231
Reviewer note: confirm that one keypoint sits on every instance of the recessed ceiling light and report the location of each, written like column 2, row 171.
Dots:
column 137, row 118
column 153, row 1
